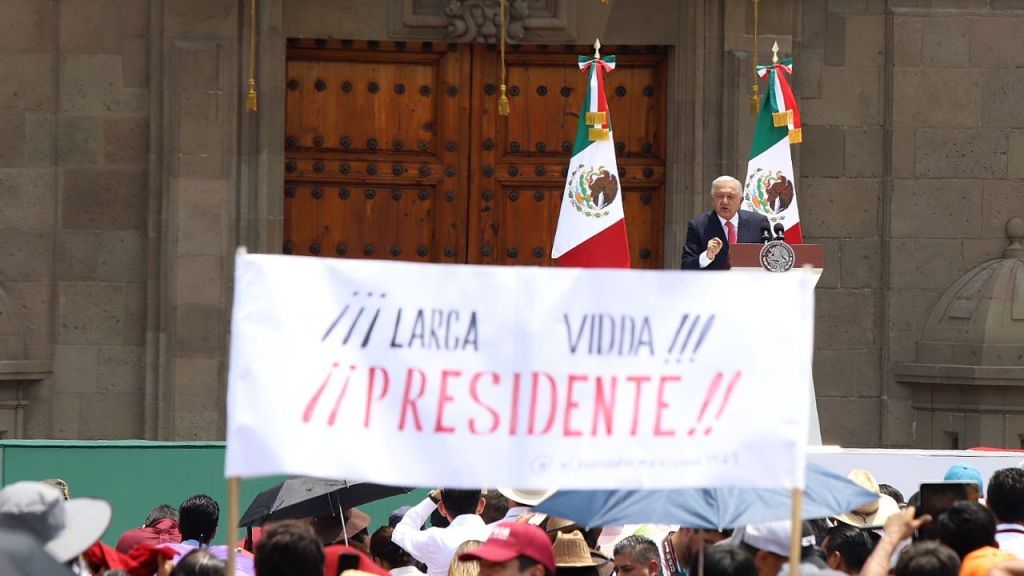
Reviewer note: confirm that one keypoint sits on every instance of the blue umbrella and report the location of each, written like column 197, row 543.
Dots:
column 826, row 494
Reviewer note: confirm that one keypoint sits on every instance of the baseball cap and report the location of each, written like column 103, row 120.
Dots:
column 509, row 540
column 64, row 528
column 964, row 473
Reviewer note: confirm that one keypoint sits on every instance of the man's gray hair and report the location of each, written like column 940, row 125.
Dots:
column 726, row 178
column 640, row 548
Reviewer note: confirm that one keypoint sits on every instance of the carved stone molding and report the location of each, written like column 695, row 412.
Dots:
column 529, row 21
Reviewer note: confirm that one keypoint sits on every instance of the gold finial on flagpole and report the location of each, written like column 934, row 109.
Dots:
column 597, row 49
column 775, row 52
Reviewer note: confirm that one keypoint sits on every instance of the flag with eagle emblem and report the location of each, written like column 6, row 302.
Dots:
column 591, row 230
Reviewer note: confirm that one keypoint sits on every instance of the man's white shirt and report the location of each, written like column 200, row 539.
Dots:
column 1011, row 539
column 435, row 547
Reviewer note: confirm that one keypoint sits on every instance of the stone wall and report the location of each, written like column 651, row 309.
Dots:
column 129, row 171
column 118, row 175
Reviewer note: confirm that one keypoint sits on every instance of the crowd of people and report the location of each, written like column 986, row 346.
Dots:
column 457, row 532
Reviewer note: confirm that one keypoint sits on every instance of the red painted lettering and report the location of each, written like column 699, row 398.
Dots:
column 409, row 401
column 385, row 384
column 474, row 393
column 570, row 405
column 337, row 403
column 604, row 404
column 638, row 381
column 513, row 422
column 552, row 406
column 663, row 405
column 314, row 400
column 445, row 398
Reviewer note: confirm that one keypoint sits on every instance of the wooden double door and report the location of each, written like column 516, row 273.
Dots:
column 395, row 150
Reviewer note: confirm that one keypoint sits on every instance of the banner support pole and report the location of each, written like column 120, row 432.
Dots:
column 796, row 532
column 232, row 534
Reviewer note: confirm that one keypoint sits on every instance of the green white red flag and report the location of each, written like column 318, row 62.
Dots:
column 591, row 230
column 770, row 187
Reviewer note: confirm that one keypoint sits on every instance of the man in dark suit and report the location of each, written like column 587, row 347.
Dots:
column 708, row 235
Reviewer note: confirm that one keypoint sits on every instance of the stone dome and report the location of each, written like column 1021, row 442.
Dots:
column 979, row 321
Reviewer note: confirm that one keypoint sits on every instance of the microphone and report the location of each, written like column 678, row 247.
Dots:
column 766, row 236
column 780, row 232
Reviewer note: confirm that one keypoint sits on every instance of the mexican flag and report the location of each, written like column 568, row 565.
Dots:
column 591, row 230
column 770, row 188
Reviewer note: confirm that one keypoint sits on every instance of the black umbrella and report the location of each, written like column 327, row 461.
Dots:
column 304, row 497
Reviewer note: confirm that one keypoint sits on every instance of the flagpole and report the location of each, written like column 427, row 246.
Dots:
column 796, row 534
column 232, row 541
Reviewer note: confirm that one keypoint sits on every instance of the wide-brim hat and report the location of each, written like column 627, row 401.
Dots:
column 873, row 513
column 525, row 496
column 355, row 520
column 65, row 528
column 571, row 550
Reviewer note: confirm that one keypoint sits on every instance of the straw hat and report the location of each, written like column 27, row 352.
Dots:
column 872, row 513
column 571, row 550
column 524, row 496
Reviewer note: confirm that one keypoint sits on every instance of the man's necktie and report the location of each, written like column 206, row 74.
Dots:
column 731, row 230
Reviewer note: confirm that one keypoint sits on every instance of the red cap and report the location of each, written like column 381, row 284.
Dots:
column 510, row 540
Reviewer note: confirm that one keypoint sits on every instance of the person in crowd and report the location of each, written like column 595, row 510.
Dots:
column 396, row 515
column 434, row 546
column 636, row 556
column 927, row 558
column 724, row 560
column 680, row 547
column 873, row 513
column 970, row 530
column 573, row 556
column 515, row 549
column 965, row 473
column 892, row 492
column 459, row 567
column 709, row 235
column 391, row 556
column 357, row 526
column 847, row 548
column 289, row 548
column 197, row 520
column 61, row 485
column 898, row 527
column 768, row 543
column 339, row 558
column 521, row 502
column 160, row 526
column 199, row 562
column 1006, row 501
column 495, row 507
column 329, row 528
column 65, row 529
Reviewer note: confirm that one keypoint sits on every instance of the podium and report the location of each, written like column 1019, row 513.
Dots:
column 746, row 256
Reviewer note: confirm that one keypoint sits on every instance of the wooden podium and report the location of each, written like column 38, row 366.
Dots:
column 746, row 256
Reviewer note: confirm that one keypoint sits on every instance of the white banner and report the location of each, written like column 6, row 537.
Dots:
column 477, row 376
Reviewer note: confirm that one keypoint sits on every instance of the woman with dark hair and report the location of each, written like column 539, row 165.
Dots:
column 199, row 562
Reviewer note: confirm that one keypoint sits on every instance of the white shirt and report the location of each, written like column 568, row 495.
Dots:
column 703, row 258
column 1011, row 539
column 406, row 571
column 435, row 547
